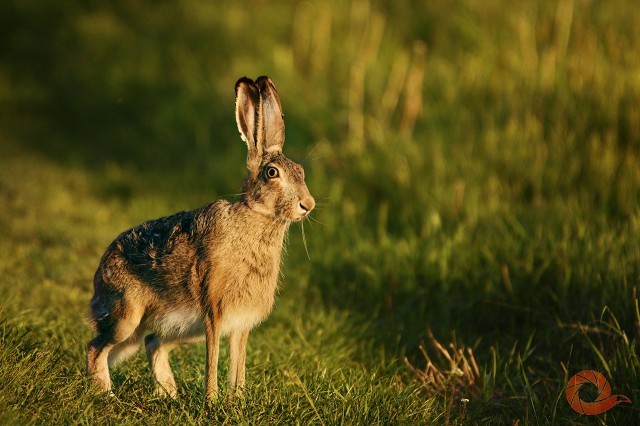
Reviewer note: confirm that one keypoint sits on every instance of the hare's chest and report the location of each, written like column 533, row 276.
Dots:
column 244, row 273
column 250, row 284
column 243, row 287
column 245, row 298
column 239, row 318
column 249, row 259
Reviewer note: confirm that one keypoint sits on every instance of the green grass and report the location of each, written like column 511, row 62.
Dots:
column 477, row 172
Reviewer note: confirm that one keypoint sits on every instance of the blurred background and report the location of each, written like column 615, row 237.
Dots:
column 476, row 163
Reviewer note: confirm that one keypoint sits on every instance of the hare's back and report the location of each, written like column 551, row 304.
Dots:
column 162, row 254
column 157, row 242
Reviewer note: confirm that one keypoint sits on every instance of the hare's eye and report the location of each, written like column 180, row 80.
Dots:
column 272, row 172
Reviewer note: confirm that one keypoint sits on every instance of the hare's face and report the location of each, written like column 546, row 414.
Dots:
column 279, row 190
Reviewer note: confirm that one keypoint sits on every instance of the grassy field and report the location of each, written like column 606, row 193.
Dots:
column 477, row 172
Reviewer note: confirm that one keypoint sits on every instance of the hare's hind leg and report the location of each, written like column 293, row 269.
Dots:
column 158, row 356
column 128, row 347
column 119, row 325
column 237, row 359
column 97, row 362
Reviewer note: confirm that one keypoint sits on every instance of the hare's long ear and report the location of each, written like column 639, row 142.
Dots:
column 248, row 117
column 271, row 127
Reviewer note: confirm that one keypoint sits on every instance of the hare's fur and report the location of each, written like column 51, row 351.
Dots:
column 204, row 273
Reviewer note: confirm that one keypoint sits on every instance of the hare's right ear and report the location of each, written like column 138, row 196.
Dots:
column 248, row 115
column 271, row 128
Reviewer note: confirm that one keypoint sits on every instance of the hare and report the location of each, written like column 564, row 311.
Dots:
column 205, row 273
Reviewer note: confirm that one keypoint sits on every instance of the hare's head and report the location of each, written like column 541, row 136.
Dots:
column 275, row 185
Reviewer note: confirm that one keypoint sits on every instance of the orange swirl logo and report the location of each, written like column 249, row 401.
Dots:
column 604, row 401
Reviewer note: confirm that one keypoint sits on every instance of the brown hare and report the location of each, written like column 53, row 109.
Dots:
column 205, row 273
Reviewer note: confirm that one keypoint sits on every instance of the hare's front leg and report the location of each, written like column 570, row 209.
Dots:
column 158, row 356
column 212, row 332
column 237, row 359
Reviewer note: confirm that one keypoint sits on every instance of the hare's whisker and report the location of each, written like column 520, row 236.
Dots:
column 309, row 153
column 316, row 220
column 304, row 239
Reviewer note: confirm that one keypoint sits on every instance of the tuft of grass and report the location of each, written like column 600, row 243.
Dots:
column 454, row 376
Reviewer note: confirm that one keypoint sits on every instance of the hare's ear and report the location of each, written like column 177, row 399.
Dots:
column 271, row 127
column 248, row 117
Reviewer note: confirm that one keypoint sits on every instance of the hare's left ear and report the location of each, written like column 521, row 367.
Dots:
column 271, row 127
column 248, row 119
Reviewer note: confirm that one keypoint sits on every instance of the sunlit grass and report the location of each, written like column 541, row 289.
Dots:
column 477, row 172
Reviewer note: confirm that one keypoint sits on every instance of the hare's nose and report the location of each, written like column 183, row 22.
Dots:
column 307, row 204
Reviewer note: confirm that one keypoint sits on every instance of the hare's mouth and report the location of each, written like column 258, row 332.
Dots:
column 301, row 212
column 298, row 217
